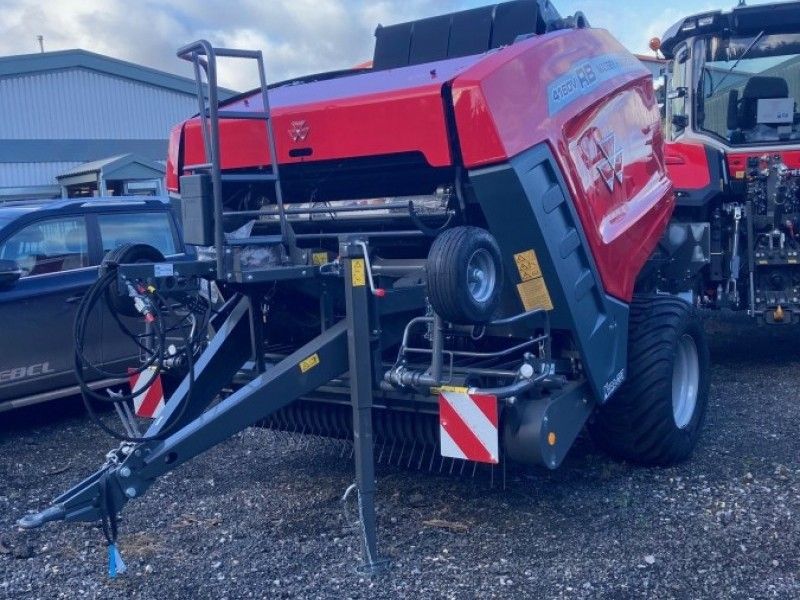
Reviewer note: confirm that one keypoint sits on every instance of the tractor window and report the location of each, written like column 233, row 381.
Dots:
column 678, row 92
column 751, row 88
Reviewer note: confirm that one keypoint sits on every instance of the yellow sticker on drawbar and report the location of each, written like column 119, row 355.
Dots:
column 453, row 389
column 319, row 258
column 528, row 265
column 359, row 273
column 309, row 363
column 534, row 294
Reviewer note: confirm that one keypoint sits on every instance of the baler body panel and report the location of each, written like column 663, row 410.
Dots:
column 173, row 157
column 367, row 114
column 580, row 92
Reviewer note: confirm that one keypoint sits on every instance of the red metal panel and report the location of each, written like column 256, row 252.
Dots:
column 173, row 157
column 505, row 104
column 383, row 124
column 368, row 114
column 687, row 165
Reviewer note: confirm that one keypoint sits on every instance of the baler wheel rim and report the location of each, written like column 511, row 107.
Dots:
column 685, row 381
column 481, row 275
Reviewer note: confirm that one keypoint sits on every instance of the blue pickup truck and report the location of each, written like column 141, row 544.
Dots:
column 49, row 256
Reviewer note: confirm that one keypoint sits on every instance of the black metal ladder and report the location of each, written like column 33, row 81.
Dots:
column 203, row 57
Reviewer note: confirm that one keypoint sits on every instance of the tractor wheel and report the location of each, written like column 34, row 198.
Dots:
column 124, row 255
column 657, row 415
column 465, row 275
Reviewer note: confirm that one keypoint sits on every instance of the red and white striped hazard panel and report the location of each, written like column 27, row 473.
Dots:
column 468, row 425
column 148, row 401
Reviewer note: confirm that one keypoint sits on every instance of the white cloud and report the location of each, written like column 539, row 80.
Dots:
column 297, row 36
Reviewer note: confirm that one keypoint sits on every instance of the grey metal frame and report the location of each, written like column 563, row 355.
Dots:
column 352, row 344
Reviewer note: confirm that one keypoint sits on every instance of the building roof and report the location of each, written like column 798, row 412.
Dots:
column 124, row 166
column 24, row 64
column 111, row 164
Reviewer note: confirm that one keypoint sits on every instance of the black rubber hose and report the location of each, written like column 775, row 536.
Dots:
column 88, row 303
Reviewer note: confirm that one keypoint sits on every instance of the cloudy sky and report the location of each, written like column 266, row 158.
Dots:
column 297, row 36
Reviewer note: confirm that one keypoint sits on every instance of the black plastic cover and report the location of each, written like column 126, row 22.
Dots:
column 197, row 210
column 531, row 188
column 457, row 34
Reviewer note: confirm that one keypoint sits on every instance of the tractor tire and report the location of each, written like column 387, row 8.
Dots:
column 465, row 275
column 127, row 254
column 656, row 417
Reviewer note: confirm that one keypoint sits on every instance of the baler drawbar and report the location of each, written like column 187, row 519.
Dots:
column 449, row 252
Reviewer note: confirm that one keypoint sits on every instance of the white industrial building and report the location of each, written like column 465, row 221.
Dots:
column 61, row 109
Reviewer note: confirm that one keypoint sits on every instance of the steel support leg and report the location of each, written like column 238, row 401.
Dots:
column 360, row 345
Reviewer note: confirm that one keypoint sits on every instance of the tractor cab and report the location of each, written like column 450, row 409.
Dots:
column 733, row 153
column 735, row 77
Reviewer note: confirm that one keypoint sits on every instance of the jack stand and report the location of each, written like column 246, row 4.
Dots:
column 362, row 347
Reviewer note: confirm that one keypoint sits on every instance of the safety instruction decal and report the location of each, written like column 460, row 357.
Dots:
column 532, row 290
column 528, row 265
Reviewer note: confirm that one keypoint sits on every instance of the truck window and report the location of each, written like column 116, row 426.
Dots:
column 142, row 228
column 49, row 246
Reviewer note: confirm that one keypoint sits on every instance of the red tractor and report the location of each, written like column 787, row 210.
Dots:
column 733, row 153
column 455, row 254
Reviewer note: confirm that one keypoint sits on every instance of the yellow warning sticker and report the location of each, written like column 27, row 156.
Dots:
column 528, row 265
column 309, row 363
column 533, row 290
column 359, row 273
column 453, row 389
column 534, row 294
column 319, row 258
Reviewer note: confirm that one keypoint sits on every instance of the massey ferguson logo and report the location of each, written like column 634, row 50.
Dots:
column 610, row 165
column 298, row 131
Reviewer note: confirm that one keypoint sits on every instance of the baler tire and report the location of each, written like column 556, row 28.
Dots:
column 447, row 280
column 124, row 255
column 640, row 423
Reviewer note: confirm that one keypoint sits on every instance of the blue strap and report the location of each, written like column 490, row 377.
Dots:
column 116, row 566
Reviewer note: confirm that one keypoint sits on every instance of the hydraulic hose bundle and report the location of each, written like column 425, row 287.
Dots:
column 161, row 318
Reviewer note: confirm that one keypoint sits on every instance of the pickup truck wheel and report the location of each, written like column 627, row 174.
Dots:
column 657, row 415
column 465, row 275
column 125, row 255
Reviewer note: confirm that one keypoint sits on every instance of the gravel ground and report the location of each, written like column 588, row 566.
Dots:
column 259, row 516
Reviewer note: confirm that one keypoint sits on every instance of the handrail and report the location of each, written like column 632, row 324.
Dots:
column 203, row 57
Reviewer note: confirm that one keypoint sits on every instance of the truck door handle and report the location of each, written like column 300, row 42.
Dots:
column 75, row 298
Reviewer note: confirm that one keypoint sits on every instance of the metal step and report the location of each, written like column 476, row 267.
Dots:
column 239, row 114
column 249, row 178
